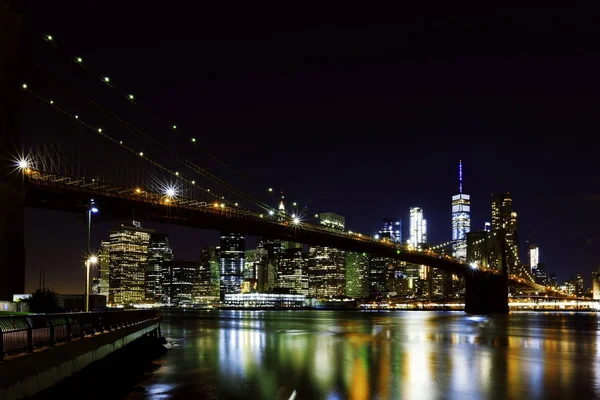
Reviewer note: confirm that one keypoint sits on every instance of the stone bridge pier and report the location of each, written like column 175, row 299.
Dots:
column 486, row 294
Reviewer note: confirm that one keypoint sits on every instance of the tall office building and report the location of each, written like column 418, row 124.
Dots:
column 504, row 221
column 231, row 265
column 596, row 284
column 534, row 258
column 102, row 286
column 417, row 228
column 579, row 288
column 256, row 270
column 357, row 269
column 179, row 278
column 274, row 247
column 461, row 219
column 326, row 265
column 293, row 271
column 391, row 229
column 128, row 261
column 208, row 273
column 159, row 252
column 378, row 274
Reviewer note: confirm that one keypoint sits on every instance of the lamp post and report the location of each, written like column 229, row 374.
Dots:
column 91, row 209
column 91, row 260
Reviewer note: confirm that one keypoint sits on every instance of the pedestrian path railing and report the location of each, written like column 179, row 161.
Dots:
column 24, row 333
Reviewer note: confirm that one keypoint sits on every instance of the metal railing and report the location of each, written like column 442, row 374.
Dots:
column 24, row 333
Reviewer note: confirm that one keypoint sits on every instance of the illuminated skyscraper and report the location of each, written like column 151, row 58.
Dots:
column 596, row 284
column 231, row 265
column 102, row 286
column 293, row 271
column 534, row 258
column 256, row 270
column 391, row 229
column 326, row 265
column 357, row 269
column 159, row 252
column 461, row 219
column 128, row 262
column 179, row 280
column 504, row 222
column 418, row 227
column 208, row 273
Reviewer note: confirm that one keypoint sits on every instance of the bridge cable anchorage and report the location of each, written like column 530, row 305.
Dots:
column 113, row 140
column 131, row 98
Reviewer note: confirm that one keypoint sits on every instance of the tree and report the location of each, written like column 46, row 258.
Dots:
column 43, row 301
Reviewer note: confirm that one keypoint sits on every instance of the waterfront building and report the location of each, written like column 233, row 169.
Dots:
column 274, row 248
column 293, row 271
column 579, row 288
column 417, row 228
column 265, row 300
column 326, row 265
column 102, row 287
column 378, row 274
column 461, row 219
column 179, row 279
column 256, row 270
column 504, row 222
column 596, row 284
column 207, row 284
column 357, row 269
column 231, row 263
column 391, row 229
column 159, row 252
column 128, row 259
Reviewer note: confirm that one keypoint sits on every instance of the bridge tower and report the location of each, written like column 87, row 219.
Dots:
column 12, row 249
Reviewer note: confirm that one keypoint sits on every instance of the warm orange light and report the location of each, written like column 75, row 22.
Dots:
column 167, row 200
column 138, row 190
column 216, row 205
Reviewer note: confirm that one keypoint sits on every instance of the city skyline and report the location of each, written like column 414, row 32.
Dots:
column 508, row 136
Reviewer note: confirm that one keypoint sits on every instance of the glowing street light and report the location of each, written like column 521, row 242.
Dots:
column 296, row 220
column 271, row 212
column 106, row 79
column 170, row 192
column 79, row 59
column 376, row 237
column 23, row 164
column 473, row 265
column 88, row 262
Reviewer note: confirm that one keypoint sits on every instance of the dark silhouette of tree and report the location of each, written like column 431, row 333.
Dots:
column 43, row 301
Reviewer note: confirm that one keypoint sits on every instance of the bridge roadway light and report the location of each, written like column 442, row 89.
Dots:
column 271, row 212
column 296, row 220
column 94, row 210
column 473, row 265
column 170, row 192
column 23, row 164
column 376, row 237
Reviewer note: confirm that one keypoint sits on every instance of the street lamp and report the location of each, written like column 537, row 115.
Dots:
column 90, row 260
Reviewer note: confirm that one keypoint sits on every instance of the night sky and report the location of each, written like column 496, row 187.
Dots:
column 360, row 112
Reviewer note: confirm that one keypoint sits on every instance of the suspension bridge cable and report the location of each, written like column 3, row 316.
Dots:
column 100, row 132
column 131, row 98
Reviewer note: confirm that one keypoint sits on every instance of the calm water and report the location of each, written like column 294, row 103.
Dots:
column 385, row 355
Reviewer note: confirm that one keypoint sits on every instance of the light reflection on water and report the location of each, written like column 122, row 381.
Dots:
column 391, row 355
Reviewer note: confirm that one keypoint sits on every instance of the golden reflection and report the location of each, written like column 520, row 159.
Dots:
column 359, row 386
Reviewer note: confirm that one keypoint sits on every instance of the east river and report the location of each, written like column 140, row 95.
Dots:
column 376, row 355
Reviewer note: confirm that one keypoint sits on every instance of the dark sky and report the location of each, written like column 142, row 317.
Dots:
column 363, row 112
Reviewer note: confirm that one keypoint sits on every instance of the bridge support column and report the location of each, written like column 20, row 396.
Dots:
column 12, row 250
column 486, row 294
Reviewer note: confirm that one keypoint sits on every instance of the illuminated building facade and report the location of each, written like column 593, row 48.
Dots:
column 274, row 248
column 579, row 288
column 179, row 278
column 265, row 300
column 596, row 284
column 534, row 258
column 504, row 222
column 417, row 228
column 256, row 270
column 159, row 252
column 357, row 269
column 378, row 274
column 231, row 263
column 102, row 282
column 326, row 265
column 461, row 219
column 128, row 259
column 207, row 284
column 293, row 271
column 391, row 229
